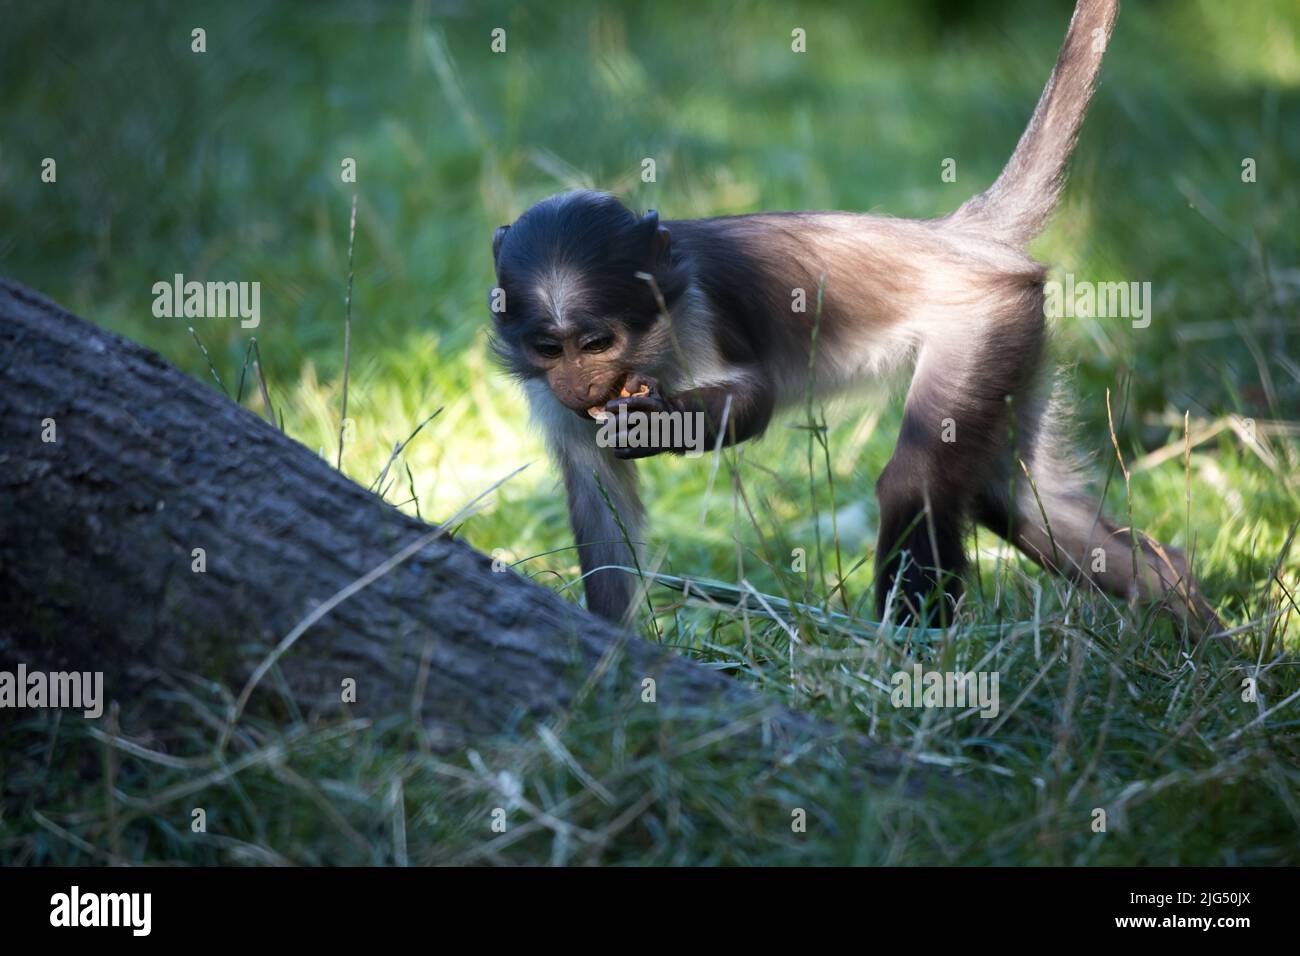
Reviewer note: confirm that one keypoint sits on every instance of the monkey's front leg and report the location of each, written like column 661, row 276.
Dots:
column 738, row 411
column 586, row 469
column 600, row 539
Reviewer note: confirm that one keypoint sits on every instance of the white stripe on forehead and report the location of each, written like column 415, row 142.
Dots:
column 558, row 294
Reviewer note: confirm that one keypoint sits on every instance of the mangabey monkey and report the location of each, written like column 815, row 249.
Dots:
column 580, row 323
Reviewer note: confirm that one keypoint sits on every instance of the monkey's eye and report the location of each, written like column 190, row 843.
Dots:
column 547, row 349
column 598, row 343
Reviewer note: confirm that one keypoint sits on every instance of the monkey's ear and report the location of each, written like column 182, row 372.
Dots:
column 660, row 238
column 663, row 242
column 497, row 238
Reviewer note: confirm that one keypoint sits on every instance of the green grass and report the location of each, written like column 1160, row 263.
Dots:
column 226, row 166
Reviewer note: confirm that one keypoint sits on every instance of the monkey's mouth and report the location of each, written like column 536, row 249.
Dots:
column 618, row 390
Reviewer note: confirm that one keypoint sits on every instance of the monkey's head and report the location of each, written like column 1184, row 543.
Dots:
column 572, row 305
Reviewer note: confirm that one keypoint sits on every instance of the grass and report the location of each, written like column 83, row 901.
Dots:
column 226, row 166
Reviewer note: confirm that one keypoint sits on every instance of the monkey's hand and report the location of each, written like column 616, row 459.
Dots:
column 725, row 414
column 639, row 399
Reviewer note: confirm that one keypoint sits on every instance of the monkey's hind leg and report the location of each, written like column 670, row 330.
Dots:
column 1060, row 526
column 954, row 422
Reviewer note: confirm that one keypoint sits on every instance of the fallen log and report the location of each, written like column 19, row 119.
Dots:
column 98, row 535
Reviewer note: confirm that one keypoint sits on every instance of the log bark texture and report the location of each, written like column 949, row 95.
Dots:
column 98, row 530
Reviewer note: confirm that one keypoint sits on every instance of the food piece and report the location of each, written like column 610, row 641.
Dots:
column 642, row 390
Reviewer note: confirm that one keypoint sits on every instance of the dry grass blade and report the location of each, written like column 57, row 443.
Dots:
column 347, row 332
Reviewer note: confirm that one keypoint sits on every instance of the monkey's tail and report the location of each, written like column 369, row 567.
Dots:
column 1016, row 207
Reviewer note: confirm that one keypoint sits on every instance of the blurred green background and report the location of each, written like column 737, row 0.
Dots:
column 225, row 165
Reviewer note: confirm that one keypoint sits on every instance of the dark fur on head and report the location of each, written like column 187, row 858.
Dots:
column 569, row 268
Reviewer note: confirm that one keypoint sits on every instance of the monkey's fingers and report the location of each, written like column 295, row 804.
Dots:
column 626, row 454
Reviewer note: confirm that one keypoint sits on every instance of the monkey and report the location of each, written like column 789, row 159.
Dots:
column 599, row 311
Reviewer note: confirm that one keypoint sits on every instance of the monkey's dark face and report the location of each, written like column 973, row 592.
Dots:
column 572, row 304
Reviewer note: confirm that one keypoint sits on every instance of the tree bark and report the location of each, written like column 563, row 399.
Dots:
column 98, row 530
